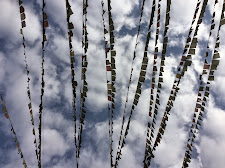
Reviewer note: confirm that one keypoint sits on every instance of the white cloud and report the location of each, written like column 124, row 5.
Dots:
column 58, row 125
column 53, row 144
column 10, row 21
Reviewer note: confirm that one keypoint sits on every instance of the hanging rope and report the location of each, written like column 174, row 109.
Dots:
column 138, row 90
column 131, row 71
column 12, row 129
column 44, row 25
column 109, row 91
column 70, row 27
column 204, row 88
column 184, row 63
column 160, row 80
column 154, row 69
column 84, row 83
column 111, row 67
column 23, row 24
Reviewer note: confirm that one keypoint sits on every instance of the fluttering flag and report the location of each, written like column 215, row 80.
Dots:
column 23, row 17
column 184, row 66
column 160, row 80
column 110, row 77
column 84, row 84
column 204, row 89
column 138, row 90
column 12, row 129
column 73, row 82
column 44, row 39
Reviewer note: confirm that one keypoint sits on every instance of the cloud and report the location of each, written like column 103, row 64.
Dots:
column 10, row 11
column 212, row 139
column 58, row 124
column 53, row 144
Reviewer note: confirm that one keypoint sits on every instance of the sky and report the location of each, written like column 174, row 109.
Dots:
column 58, row 148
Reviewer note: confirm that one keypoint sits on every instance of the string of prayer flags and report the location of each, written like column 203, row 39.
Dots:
column 111, row 68
column 84, row 84
column 23, row 17
column 12, row 129
column 160, row 81
column 73, row 81
column 197, row 118
column 44, row 25
column 184, row 66
column 113, row 73
column 138, row 90
column 154, row 70
column 109, row 86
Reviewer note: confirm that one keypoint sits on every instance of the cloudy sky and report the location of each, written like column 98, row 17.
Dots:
column 58, row 126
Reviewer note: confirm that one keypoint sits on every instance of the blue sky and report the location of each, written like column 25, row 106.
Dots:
column 58, row 145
